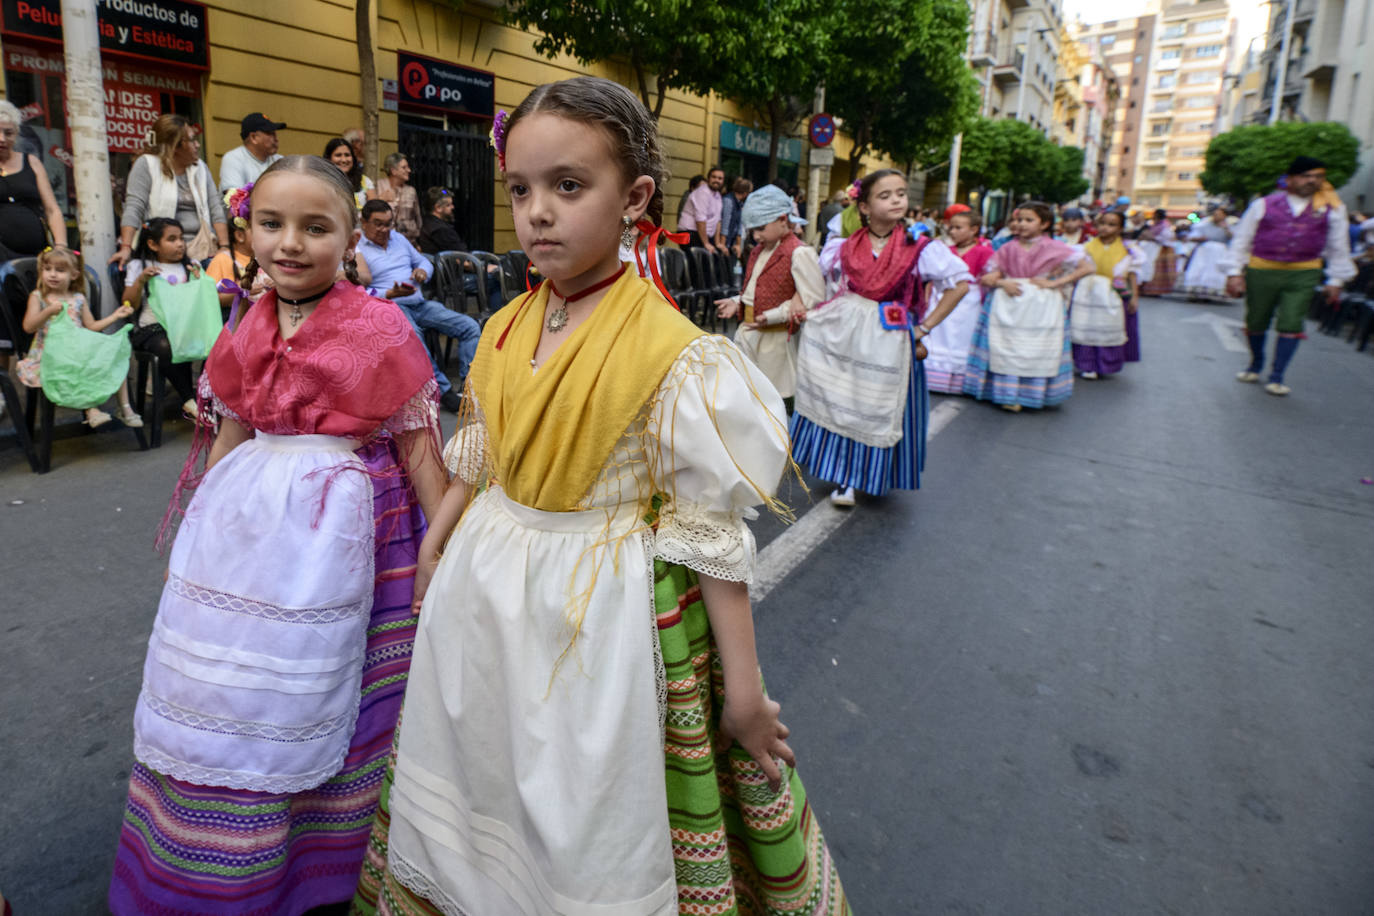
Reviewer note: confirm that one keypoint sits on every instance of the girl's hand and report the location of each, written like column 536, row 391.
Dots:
column 1131, row 307
column 193, row 271
column 754, row 724
column 1011, row 287
column 424, row 571
column 152, row 270
column 124, row 311
column 1043, row 283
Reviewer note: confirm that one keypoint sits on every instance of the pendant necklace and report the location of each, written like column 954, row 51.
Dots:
column 558, row 318
column 296, row 304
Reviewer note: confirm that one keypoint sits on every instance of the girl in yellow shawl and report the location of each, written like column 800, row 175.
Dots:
column 585, row 726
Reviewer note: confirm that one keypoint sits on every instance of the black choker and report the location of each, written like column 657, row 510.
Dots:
column 296, row 304
column 305, row 300
column 883, row 237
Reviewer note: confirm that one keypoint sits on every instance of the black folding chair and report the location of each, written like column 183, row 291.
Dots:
column 39, row 412
column 725, row 273
column 146, row 368
column 677, row 277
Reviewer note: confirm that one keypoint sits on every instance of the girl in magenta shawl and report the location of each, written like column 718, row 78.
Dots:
column 1034, row 257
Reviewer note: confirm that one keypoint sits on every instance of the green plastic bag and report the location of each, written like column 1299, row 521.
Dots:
column 81, row 368
column 189, row 312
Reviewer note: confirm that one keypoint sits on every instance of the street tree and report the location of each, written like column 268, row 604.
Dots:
column 1248, row 160
column 782, row 52
column 897, row 79
column 1065, row 181
column 1006, row 154
column 367, row 76
column 668, row 44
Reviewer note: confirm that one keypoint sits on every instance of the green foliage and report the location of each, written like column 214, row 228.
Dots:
column 1012, row 155
column 783, row 53
column 669, row 44
column 897, row 78
column 1248, row 160
column 1066, row 181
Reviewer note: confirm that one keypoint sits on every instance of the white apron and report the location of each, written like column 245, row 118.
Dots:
column 1097, row 316
column 254, row 668
column 852, row 372
column 1026, row 332
column 545, row 753
column 950, row 341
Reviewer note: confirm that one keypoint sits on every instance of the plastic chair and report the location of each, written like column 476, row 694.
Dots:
column 725, row 273
column 676, row 276
column 515, row 267
column 147, row 367
column 39, row 412
column 705, row 279
column 8, row 391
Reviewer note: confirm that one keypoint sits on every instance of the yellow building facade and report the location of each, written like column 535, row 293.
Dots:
column 297, row 61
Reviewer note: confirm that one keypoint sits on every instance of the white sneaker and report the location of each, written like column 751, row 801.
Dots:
column 1088, row 375
column 1277, row 388
column 843, row 497
column 1247, row 376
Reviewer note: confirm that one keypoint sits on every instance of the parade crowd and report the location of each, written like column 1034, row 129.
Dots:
column 559, row 592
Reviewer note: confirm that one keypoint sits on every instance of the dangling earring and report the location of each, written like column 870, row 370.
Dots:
column 627, row 234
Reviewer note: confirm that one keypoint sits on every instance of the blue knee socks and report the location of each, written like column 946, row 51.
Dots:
column 1283, row 352
column 1257, row 352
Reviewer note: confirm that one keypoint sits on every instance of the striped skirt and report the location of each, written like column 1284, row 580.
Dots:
column 843, row 461
column 986, row 385
column 738, row 847
column 213, row 851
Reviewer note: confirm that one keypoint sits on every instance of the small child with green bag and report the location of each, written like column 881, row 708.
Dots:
column 179, row 318
column 75, row 364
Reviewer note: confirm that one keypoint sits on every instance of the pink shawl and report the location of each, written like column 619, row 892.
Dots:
column 1017, row 261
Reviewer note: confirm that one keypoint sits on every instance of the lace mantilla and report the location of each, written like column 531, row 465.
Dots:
column 714, row 544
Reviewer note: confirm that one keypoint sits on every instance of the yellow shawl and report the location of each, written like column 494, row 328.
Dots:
column 552, row 431
column 1106, row 257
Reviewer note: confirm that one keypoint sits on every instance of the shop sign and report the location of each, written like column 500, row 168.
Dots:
column 438, row 85
column 131, row 95
column 167, row 31
column 743, row 139
column 391, row 95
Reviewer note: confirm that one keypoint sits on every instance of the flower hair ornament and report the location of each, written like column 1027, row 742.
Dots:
column 237, row 205
column 852, row 192
column 498, row 136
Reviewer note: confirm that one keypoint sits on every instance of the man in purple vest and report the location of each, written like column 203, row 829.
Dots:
column 1275, row 261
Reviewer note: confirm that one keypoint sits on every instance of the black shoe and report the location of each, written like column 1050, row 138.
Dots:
column 451, row 401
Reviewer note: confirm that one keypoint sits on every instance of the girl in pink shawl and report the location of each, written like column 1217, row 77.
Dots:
column 1032, row 255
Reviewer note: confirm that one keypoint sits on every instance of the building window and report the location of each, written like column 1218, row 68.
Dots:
column 1207, row 51
column 1133, row 104
column 1171, row 54
column 1174, row 31
column 1167, row 81
column 1200, row 76
column 1160, row 130
column 1199, row 101
column 1185, row 176
column 1108, row 40
column 1209, row 27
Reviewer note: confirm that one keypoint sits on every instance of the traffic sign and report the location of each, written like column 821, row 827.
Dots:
column 822, row 129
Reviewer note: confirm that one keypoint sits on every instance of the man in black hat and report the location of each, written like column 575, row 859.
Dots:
column 245, row 163
column 1276, row 258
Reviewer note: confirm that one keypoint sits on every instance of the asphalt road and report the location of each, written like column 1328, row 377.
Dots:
column 1113, row 659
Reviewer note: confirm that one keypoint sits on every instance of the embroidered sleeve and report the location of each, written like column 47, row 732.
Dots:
column 721, row 436
column 420, row 412
column 206, row 395
column 465, row 454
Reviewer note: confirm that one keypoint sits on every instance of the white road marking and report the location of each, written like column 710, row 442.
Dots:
column 787, row 551
column 1226, row 329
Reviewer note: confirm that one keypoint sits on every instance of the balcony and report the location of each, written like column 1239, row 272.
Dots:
column 982, row 48
column 1009, row 70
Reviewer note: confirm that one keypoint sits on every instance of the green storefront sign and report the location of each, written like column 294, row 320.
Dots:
column 752, row 142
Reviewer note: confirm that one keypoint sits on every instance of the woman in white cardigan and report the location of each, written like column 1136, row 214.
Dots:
column 171, row 180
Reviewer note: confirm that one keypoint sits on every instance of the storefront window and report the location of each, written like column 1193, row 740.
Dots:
column 134, row 98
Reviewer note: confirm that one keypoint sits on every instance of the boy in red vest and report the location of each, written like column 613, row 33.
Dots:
column 783, row 282
column 1276, row 258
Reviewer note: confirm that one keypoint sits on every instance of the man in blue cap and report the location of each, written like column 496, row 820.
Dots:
column 783, row 282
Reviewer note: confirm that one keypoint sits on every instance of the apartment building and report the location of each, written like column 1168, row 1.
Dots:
column 1329, row 48
column 1014, row 47
column 1085, row 99
column 1125, row 46
column 1183, row 103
